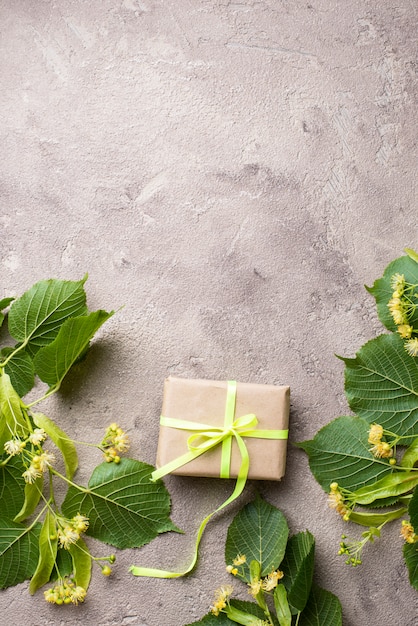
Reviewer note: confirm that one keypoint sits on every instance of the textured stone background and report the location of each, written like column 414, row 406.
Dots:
column 232, row 173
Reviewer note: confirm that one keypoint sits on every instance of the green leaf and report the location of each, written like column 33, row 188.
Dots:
column 124, row 507
column 82, row 563
column 61, row 440
column 54, row 361
column 20, row 369
column 382, row 291
column 12, row 488
column 33, row 492
column 413, row 510
column 381, row 385
column 259, row 531
column 38, row 314
column 322, row 609
column 395, row 485
column 211, row 620
column 339, row 452
column 19, row 551
column 12, row 419
column 298, row 566
column 410, row 553
column 4, row 303
column 48, row 545
column 281, row 605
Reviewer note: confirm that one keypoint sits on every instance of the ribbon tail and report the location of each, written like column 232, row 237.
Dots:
column 238, row 489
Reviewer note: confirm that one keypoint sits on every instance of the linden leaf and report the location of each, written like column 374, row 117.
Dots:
column 322, row 609
column 38, row 314
column 125, row 509
column 20, row 369
column 339, row 452
column 382, row 290
column 12, row 488
column 4, row 303
column 410, row 553
column 259, row 531
column 19, row 550
column 53, row 361
column 413, row 511
column 298, row 563
column 381, row 385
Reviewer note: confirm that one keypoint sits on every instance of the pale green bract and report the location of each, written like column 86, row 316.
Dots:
column 39, row 540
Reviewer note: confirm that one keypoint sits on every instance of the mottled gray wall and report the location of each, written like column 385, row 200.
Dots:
column 232, row 173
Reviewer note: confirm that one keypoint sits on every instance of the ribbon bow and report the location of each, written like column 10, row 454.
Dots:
column 204, row 438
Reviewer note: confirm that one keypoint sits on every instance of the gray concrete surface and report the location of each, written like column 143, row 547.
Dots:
column 232, row 173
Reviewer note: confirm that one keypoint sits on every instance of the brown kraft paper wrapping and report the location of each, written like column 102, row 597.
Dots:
column 199, row 400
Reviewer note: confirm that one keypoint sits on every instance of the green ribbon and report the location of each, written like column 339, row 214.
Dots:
column 204, row 438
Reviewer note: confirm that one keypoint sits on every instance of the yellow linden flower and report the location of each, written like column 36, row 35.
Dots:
column 270, row 582
column 14, row 446
column 336, row 501
column 67, row 536
column 255, row 587
column 382, row 450
column 240, row 560
column 38, row 436
column 375, row 433
column 31, row 474
column 408, row 533
column 411, row 346
column 80, row 523
column 231, row 570
column 121, row 442
column 397, row 282
column 405, row 331
column 221, row 596
column 78, row 595
column 399, row 317
column 43, row 461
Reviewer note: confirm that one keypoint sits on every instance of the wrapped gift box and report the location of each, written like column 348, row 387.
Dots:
column 203, row 401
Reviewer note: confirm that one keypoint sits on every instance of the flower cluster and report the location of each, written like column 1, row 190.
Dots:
column 337, row 501
column 380, row 449
column 65, row 592
column 69, row 531
column 115, row 441
column 401, row 307
column 408, row 532
column 36, row 460
column 221, row 599
column 39, row 464
column 239, row 560
column 268, row 583
column 354, row 548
